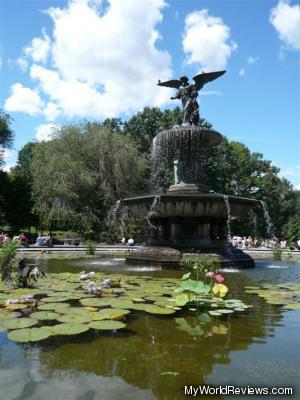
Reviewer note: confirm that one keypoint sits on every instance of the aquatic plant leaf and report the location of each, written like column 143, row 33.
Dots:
column 4, row 315
column 153, row 309
column 120, row 303
column 197, row 287
column 95, row 302
column 182, row 299
column 107, row 325
column 224, row 311
column 29, row 334
column 55, row 299
column 74, row 318
column 214, row 313
column 69, row 329
column 19, row 323
column 53, row 306
column 109, row 313
column 186, row 276
column 220, row 289
column 16, row 306
column 44, row 315
column 220, row 329
column 292, row 306
column 2, row 329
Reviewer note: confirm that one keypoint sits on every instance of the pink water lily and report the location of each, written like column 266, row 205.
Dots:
column 219, row 278
column 210, row 274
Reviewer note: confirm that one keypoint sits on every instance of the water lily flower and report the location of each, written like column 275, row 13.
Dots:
column 11, row 301
column 27, row 298
column 210, row 274
column 219, row 278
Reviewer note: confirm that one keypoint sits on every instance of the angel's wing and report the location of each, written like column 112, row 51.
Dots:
column 202, row 79
column 174, row 83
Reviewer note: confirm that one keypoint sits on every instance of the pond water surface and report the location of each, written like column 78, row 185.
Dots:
column 151, row 358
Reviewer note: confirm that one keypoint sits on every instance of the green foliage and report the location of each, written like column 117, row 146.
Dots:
column 291, row 229
column 90, row 247
column 6, row 134
column 277, row 252
column 201, row 285
column 8, row 253
column 199, row 265
column 79, row 174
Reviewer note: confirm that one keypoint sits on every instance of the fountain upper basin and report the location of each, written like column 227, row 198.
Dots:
column 210, row 205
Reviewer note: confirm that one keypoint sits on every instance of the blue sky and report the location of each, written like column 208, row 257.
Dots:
column 62, row 61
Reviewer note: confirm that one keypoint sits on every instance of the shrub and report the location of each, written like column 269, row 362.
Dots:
column 90, row 247
column 7, row 259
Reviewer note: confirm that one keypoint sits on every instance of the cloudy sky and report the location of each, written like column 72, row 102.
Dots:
column 68, row 60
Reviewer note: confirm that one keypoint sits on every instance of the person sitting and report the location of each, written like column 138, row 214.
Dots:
column 39, row 240
column 22, row 238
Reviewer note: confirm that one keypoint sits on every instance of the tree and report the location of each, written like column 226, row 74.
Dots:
column 79, row 174
column 291, row 229
column 19, row 201
column 6, row 134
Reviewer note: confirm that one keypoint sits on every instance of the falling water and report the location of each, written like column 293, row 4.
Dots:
column 153, row 210
column 267, row 217
column 227, row 207
column 253, row 219
column 113, row 212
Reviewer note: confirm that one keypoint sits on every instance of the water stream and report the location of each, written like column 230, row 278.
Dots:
column 267, row 218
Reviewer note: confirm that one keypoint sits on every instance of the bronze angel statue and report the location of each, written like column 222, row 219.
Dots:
column 188, row 94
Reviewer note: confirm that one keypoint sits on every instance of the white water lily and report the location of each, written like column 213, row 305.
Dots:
column 11, row 301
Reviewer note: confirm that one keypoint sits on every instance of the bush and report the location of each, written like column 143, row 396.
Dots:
column 90, row 247
column 277, row 252
column 7, row 259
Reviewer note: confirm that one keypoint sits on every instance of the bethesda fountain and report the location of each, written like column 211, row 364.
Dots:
column 188, row 217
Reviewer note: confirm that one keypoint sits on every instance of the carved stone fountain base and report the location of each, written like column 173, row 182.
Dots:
column 169, row 257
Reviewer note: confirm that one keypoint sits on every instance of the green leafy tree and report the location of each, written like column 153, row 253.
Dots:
column 19, row 202
column 291, row 229
column 79, row 174
column 6, row 134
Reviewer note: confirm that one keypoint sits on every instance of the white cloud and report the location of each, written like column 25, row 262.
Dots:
column 22, row 63
column 252, row 60
column 44, row 132
column 286, row 20
column 103, row 63
column 23, row 99
column 206, row 41
column 242, row 72
column 51, row 111
column 39, row 48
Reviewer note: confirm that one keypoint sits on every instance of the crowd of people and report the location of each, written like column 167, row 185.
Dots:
column 248, row 242
column 22, row 239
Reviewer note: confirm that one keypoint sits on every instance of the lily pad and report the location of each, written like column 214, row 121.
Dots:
column 69, row 329
column 19, row 323
column 109, row 313
column 53, row 306
column 44, row 315
column 107, row 325
column 224, row 311
column 4, row 315
column 74, row 318
column 95, row 302
column 214, row 313
column 55, row 299
column 153, row 309
column 29, row 334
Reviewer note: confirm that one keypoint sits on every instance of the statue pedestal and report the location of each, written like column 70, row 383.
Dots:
column 188, row 188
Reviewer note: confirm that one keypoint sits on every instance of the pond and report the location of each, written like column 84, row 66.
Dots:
column 152, row 358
